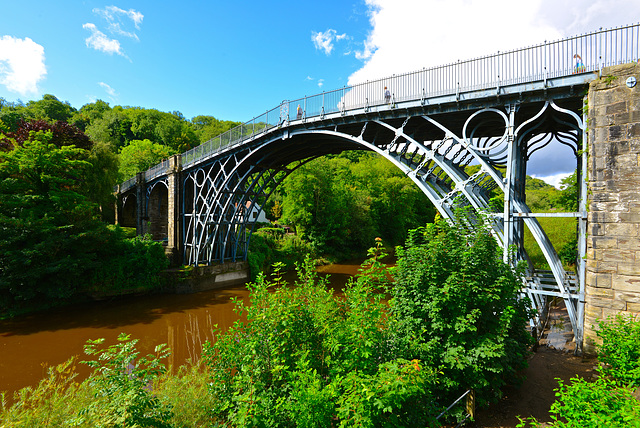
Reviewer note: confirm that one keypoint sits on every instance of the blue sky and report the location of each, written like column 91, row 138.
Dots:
column 236, row 59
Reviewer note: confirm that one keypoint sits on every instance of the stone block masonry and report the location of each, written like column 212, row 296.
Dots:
column 613, row 244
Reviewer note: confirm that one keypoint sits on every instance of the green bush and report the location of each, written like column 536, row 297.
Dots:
column 602, row 403
column 272, row 245
column 123, row 385
column 114, row 273
column 300, row 357
column 620, row 349
column 456, row 307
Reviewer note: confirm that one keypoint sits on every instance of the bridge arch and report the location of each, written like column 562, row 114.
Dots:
column 128, row 212
column 436, row 166
column 157, row 210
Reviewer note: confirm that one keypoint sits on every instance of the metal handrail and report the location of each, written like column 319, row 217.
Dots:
column 157, row 170
column 540, row 62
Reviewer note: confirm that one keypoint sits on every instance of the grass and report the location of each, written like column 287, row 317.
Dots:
column 560, row 230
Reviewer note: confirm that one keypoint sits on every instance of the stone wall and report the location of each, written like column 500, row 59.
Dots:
column 613, row 240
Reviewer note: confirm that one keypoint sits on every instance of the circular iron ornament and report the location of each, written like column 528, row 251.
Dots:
column 631, row 82
column 496, row 143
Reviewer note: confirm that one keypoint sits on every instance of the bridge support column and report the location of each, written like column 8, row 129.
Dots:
column 174, row 243
column 141, row 197
column 613, row 243
column 117, row 206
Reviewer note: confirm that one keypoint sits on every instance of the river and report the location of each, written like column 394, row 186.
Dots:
column 29, row 344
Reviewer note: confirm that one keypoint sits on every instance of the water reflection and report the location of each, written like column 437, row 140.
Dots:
column 184, row 322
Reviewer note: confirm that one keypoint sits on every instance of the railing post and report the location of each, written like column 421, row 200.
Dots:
column 599, row 53
column 546, row 54
column 498, row 70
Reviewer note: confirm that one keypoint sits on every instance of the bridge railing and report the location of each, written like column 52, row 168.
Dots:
column 574, row 55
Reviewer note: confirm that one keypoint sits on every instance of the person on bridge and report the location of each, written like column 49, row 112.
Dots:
column 299, row 113
column 387, row 95
column 579, row 68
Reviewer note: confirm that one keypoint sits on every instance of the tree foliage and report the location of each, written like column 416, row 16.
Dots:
column 304, row 358
column 140, row 155
column 341, row 203
column 207, row 127
column 456, row 307
column 51, row 242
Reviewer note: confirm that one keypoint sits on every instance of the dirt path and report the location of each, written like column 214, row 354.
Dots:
column 535, row 396
column 553, row 359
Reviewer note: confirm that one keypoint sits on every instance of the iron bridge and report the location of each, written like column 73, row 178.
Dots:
column 492, row 112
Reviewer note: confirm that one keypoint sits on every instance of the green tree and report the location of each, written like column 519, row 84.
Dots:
column 567, row 199
column 88, row 113
column 328, row 207
column 341, row 203
column 101, row 179
column 51, row 109
column 44, row 220
column 140, row 155
column 53, row 248
column 207, row 127
column 113, row 127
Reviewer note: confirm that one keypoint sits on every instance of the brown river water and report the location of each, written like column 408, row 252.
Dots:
column 29, row 344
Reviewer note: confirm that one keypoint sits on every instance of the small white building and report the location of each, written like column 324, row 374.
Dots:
column 255, row 214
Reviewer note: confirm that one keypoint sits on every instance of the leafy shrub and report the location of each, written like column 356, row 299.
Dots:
column 271, row 245
column 302, row 357
column 114, row 274
column 123, row 384
column 602, row 403
column 456, row 307
column 620, row 349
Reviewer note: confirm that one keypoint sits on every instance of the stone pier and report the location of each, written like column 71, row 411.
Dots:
column 613, row 241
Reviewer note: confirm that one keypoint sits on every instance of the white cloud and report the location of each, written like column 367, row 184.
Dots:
column 118, row 20
column 108, row 89
column 21, row 64
column 437, row 32
column 320, row 83
column 408, row 35
column 554, row 179
column 100, row 42
column 324, row 40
